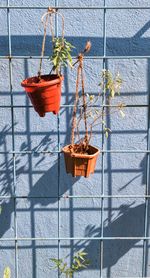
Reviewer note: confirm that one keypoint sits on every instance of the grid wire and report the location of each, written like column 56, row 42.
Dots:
column 102, row 196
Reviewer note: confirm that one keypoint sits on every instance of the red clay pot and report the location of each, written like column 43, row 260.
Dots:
column 45, row 94
column 80, row 164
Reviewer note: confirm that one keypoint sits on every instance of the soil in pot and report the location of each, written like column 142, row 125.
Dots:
column 44, row 93
column 80, row 164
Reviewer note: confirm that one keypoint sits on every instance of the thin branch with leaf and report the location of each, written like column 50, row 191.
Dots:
column 110, row 86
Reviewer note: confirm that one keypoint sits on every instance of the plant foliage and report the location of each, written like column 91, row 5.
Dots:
column 79, row 262
column 61, row 54
column 110, row 86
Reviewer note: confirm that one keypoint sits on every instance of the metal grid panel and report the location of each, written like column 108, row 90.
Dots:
column 101, row 196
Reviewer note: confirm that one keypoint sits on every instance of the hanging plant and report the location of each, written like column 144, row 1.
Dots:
column 44, row 91
column 80, row 157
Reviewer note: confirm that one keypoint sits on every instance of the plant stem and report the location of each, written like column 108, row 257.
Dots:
column 84, row 107
column 74, row 121
column 75, row 107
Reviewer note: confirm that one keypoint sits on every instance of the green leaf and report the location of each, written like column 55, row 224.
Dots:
column 106, row 134
column 91, row 97
column 7, row 273
column 122, row 113
column 70, row 45
column 70, row 64
column 112, row 92
column 55, row 61
column 77, row 261
column 69, row 58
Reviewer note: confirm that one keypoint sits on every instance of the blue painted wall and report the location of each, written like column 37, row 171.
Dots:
column 128, row 33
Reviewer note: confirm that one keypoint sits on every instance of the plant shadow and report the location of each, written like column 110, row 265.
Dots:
column 128, row 223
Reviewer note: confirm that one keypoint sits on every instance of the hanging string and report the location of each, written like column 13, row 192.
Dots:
column 80, row 75
column 84, row 105
column 48, row 15
column 43, row 47
column 74, row 117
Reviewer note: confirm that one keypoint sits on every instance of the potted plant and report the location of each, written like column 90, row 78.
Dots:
column 44, row 91
column 79, row 262
column 80, row 157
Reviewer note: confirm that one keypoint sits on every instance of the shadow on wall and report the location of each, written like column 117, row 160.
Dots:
column 46, row 186
column 128, row 223
column 136, row 45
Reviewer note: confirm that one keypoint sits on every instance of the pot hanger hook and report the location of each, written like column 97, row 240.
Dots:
column 48, row 15
column 49, row 11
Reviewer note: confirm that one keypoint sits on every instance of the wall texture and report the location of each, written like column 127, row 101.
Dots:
column 125, row 174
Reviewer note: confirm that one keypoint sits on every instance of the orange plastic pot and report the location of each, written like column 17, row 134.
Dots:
column 45, row 94
column 80, row 164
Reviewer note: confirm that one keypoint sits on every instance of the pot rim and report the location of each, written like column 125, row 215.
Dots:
column 97, row 151
column 57, row 80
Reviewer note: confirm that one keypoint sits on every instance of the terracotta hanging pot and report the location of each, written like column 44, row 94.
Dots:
column 80, row 158
column 80, row 164
column 44, row 93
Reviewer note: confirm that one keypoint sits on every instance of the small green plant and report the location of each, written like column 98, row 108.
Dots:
column 110, row 86
column 92, row 115
column 61, row 54
column 79, row 262
column 7, row 272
